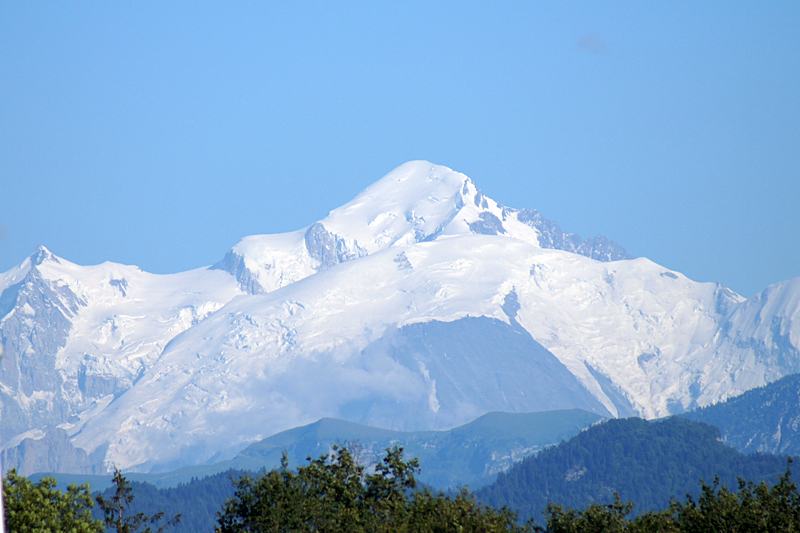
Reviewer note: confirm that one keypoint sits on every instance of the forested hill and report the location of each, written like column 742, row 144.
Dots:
column 766, row 419
column 646, row 462
column 197, row 501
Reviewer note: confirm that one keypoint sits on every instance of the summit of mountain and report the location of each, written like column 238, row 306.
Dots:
column 419, row 305
column 417, row 202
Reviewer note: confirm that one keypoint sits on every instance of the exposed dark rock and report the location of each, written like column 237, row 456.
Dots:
column 51, row 453
column 329, row 249
column 235, row 265
column 488, row 224
column 36, row 326
column 551, row 236
column 121, row 284
column 402, row 261
column 473, row 363
column 511, row 304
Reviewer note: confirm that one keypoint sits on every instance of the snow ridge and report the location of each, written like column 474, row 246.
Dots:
column 420, row 304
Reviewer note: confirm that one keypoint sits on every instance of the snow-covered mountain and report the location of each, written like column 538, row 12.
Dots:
column 417, row 202
column 75, row 338
column 420, row 304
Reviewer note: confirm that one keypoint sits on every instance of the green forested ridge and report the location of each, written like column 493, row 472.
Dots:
column 468, row 455
column 766, row 419
column 334, row 494
column 647, row 463
column 753, row 508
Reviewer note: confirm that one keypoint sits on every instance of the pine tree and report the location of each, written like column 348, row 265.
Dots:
column 115, row 507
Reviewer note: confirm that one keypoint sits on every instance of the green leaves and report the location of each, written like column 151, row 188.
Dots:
column 41, row 507
column 334, row 494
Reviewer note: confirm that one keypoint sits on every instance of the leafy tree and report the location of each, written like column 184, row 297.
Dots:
column 437, row 513
column 335, row 494
column 41, row 507
column 114, row 508
column 597, row 518
column 754, row 508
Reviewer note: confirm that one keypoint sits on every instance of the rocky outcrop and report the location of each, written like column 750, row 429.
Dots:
column 330, row 249
column 234, row 263
column 51, row 453
column 551, row 236
column 34, row 327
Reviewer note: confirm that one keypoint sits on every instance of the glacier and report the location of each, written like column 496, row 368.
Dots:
column 420, row 304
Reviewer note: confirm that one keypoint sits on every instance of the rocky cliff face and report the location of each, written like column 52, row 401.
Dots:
column 52, row 453
column 36, row 322
column 551, row 236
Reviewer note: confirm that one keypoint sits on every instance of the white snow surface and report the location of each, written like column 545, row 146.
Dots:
column 120, row 320
column 417, row 201
column 208, row 368
column 126, row 324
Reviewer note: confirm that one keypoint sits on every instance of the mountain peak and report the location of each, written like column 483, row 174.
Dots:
column 419, row 201
column 414, row 203
column 417, row 179
column 41, row 255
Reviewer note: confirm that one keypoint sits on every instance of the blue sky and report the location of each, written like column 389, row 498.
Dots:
column 159, row 135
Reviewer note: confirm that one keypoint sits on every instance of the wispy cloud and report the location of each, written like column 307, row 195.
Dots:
column 592, row 43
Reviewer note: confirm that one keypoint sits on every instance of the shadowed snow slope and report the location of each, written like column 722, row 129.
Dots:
column 421, row 304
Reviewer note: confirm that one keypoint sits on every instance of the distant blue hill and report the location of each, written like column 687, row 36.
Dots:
column 471, row 454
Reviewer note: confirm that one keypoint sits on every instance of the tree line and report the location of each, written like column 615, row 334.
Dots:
column 335, row 493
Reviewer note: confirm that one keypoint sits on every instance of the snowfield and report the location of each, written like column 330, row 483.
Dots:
column 420, row 304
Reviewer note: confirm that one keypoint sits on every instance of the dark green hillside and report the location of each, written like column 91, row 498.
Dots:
column 766, row 419
column 467, row 454
column 646, row 462
column 197, row 501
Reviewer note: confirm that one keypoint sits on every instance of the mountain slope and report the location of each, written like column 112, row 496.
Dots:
column 74, row 337
column 268, row 362
column 647, row 463
column 471, row 454
column 420, row 304
column 765, row 419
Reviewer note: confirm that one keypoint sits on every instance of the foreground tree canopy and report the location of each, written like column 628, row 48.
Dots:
column 335, row 494
column 41, row 507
